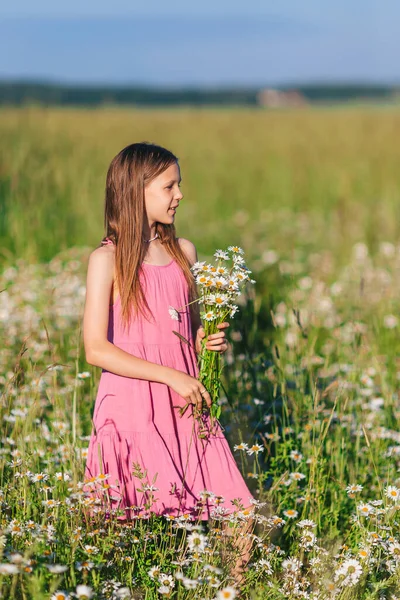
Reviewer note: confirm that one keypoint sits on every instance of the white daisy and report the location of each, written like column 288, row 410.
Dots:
column 255, row 448
column 209, row 316
column 236, row 249
column 350, row 571
column 173, row 313
column 392, row 492
column 84, row 592
column 227, row 593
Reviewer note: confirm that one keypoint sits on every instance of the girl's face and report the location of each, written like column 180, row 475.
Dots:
column 162, row 196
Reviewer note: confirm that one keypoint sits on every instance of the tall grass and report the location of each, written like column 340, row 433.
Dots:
column 311, row 404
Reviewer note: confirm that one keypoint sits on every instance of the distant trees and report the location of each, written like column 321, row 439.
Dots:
column 18, row 93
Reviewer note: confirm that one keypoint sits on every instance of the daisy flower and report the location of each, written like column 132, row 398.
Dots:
column 221, row 254
column 173, row 313
column 236, row 249
column 354, row 488
column 296, row 455
column 154, row 572
column 255, row 448
column 209, row 316
column 84, row 592
column 365, row 509
column 392, row 492
column 227, row 593
column 350, row 570
column 291, row 513
column 241, row 446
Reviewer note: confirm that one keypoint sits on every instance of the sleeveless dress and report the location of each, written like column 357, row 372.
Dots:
column 136, row 421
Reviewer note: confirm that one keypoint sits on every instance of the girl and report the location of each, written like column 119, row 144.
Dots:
column 141, row 269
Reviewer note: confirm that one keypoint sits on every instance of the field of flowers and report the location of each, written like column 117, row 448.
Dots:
column 310, row 402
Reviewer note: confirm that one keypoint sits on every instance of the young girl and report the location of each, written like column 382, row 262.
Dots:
column 141, row 269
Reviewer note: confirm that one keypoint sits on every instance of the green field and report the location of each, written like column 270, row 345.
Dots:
column 312, row 379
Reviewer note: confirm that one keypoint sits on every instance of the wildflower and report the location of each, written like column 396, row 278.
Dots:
column 227, row 593
column 233, row 311
column 221, row 282
column 306, row 524
column 8, row 569
column 365, row 509
column 154, row 571
column 147, row 487
column 296, row 455
column 390, row 321
column 62, row 476
column 189, row 584
column 83, row 375
column 84, row 592
column 394, row 549
column 209, row 316
column 123, row 593
column 257, row 401
column 90, row 549
column 255, row 448
column 220, row 299
column 350, row 570
column 57, row 568
column 167, row 580
column 39, row 477
column 51, row 503
column 274, row 437
column 297, row 476
column 290, row 513
column 213, row 569
column 173, row 313
column 197, row 541
column 353, row 488
column 212, row 581
column 293, row 565
column 276, row 521
column 236, row 249
column 241, row 446
column 85, row 565
column 308, row 539
column 59, row 595
column 221, row 254
column 392, row 492
column 164, row 589
column 263, row 565
column 198, row 266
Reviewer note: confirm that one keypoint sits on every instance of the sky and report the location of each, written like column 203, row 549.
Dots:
column 203, row 44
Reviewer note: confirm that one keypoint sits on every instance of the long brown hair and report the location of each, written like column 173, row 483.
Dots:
column 134, row 167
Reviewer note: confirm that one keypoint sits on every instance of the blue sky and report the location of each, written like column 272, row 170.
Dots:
column 209, row 43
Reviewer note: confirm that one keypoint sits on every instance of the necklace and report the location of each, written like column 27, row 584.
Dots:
column 151, row 239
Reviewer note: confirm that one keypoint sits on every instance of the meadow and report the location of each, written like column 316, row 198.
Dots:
column 311, row 402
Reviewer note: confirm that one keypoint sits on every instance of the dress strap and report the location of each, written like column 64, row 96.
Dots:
column 107, row 241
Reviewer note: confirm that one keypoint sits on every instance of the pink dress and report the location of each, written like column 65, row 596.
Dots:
column 135, row 420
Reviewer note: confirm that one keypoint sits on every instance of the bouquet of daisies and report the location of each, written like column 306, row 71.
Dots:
column 219, row 285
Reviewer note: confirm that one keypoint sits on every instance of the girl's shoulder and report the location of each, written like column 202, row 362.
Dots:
column 103, row 257
column 189, row 249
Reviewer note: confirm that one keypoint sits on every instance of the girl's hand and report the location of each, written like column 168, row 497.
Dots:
column 189, row 388
column 216, row 341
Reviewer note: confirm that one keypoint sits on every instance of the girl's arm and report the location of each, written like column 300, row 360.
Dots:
column 98, row 350
column 190, row 251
